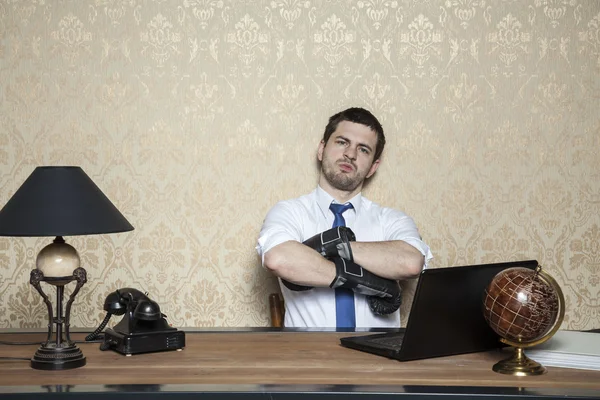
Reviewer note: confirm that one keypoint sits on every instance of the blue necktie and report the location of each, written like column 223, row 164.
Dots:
column 344, row 298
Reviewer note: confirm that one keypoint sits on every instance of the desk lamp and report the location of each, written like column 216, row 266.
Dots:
column 59, row 201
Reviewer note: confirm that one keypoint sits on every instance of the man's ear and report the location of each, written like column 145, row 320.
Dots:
column 320, row 151
column 373, row 168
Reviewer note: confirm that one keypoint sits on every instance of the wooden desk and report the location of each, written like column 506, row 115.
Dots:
column 259, row 363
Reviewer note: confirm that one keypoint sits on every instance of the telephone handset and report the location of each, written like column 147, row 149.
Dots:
column 143, row 327
column 117, row 303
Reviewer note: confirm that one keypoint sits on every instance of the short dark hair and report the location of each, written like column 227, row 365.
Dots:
column 359, row 116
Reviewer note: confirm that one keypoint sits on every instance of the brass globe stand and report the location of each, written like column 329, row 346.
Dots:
column 519, row 364
column 62, row 353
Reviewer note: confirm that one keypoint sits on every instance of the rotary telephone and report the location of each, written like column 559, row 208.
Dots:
column 142, row 329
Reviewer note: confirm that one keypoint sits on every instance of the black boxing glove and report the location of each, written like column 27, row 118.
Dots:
column 384, row 295
column 334, row 242
column 384, row 305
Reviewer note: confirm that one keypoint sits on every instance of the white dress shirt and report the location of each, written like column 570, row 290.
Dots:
column 301, row 218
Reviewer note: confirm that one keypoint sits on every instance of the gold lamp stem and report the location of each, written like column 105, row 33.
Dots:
column 62, row 353
column 58, row 321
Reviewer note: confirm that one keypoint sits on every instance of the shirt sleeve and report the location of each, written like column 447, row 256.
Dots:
column 399, row 226
column 281, row 224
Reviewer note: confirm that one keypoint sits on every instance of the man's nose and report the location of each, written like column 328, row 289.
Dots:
column 350, row 152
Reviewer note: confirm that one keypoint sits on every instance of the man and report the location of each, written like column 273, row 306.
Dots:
column 338, row 255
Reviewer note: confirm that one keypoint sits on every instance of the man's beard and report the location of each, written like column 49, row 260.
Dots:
column 338, row 179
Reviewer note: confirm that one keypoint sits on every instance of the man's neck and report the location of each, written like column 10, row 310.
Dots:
column 341, row 196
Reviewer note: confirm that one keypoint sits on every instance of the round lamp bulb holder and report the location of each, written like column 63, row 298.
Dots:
column 57, row 261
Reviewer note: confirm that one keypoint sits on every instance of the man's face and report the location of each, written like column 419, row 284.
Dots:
column 347, row 157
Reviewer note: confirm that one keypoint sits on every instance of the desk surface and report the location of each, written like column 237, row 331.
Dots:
column 298, row 361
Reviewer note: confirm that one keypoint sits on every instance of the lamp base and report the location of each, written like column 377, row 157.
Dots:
column 51, row 357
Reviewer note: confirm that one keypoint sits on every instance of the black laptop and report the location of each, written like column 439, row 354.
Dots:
column 446, row 316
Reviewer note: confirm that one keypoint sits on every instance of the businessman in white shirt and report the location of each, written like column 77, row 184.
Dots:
column 339, row 256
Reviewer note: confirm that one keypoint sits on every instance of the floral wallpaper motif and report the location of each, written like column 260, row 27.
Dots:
column 196, row 116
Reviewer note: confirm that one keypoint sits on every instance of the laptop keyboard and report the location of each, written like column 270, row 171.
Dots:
column 392, row 342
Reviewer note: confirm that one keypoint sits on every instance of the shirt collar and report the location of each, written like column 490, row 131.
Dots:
column 324, row 199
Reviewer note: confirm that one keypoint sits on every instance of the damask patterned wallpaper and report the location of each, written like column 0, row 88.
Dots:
column 196, row 116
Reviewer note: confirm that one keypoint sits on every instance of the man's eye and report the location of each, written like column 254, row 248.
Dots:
column 339, row 141
column 364, row 150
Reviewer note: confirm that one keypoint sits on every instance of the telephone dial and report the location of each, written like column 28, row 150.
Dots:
column 142, row 329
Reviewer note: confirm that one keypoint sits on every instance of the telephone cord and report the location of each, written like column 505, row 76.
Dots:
column 96, row 333
column 19, row 343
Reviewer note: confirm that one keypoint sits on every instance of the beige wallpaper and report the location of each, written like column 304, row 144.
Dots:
column 196, row 116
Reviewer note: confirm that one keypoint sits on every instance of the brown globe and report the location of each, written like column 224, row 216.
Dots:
column 520, row 306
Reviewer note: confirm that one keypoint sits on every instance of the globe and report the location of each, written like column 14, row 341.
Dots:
column 525, row 308
column 520, row 306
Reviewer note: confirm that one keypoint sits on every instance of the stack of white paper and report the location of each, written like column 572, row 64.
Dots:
column 568, row 349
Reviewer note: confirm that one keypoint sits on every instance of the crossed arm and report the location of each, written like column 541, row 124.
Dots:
column 388, row 258
column 297, row 263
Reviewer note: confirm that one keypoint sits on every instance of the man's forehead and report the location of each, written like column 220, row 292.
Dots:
column 355, row 132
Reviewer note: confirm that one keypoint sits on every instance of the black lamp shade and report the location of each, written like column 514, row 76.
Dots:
column 60, row 201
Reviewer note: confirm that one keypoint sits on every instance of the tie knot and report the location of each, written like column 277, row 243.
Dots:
column 338, row 209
